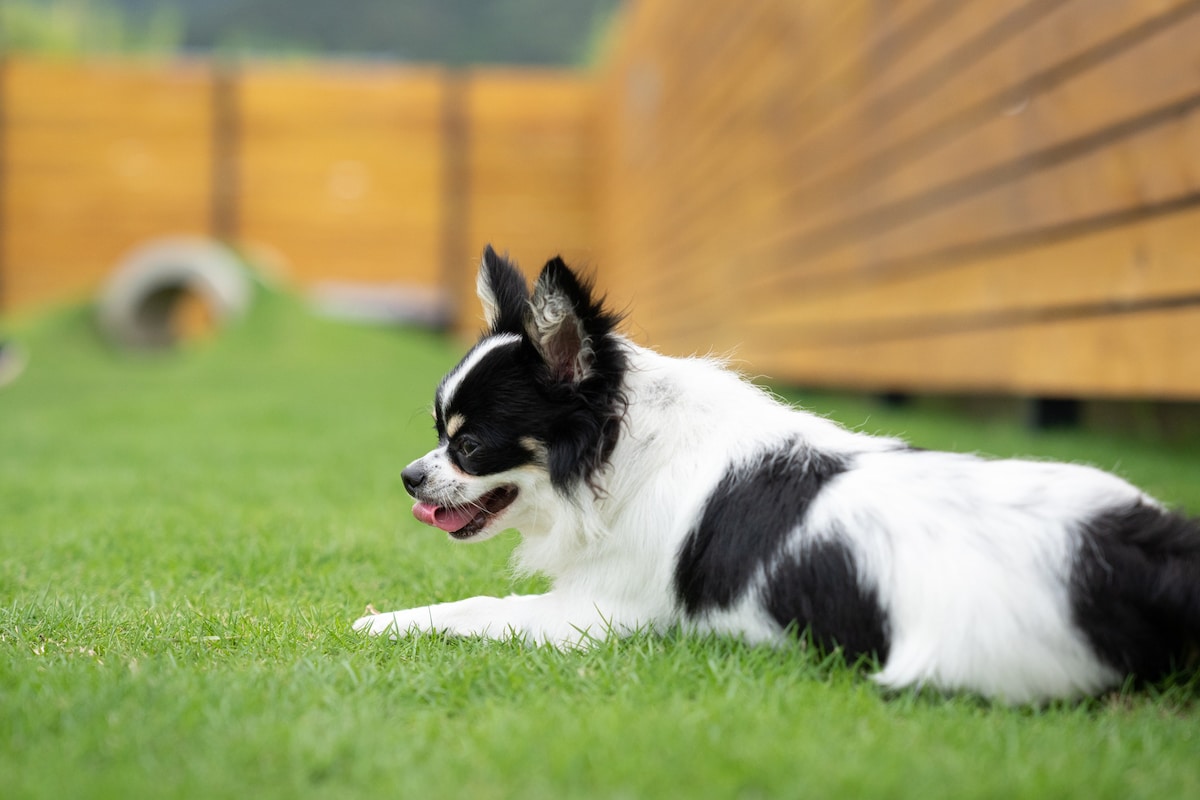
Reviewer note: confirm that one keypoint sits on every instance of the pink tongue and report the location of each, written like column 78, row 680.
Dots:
column 448, row 519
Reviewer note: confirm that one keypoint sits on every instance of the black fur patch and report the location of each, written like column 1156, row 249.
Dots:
column 1135, row 589
column 501, row 406
column 745, row 522
column 821, row 591
column 509, row 289
column 587, row 408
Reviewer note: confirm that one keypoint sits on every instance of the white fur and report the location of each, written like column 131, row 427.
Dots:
column 971, row 560
column 969, row 557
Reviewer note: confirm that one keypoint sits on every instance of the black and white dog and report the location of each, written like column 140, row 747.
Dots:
column 658, row 492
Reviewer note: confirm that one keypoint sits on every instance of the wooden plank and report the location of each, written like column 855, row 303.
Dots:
column 1147, row 260
column 528, row 100
column 348, row 173
column 49, row 92
column 320, row 258
column 1122, row 356
column 373, row 95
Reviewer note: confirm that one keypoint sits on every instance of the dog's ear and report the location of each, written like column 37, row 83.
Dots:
column 503, row 293
column 564, row 322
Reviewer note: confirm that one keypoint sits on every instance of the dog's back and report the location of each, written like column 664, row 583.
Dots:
column 1018, row 579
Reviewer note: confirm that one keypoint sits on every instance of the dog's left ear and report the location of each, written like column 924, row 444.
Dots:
column 564, row 322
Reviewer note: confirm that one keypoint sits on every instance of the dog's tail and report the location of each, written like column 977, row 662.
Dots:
column 1136, row 590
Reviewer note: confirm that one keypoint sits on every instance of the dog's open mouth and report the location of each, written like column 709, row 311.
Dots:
column 463, row 522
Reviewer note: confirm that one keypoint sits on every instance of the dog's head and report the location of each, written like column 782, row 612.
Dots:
column 533, row 408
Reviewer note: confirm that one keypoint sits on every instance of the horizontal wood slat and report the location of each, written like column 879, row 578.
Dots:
column 1106, row 354
column 1127, row 264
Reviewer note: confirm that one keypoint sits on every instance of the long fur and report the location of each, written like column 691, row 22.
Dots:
column 659, row 493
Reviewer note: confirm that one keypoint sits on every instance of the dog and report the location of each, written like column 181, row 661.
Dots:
column 661, row 494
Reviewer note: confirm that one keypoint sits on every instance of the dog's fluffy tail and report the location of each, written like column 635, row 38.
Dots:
column 1136, row 589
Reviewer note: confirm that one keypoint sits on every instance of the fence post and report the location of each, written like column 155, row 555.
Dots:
column 4, row 165
column 226, row 130
column 455, row 192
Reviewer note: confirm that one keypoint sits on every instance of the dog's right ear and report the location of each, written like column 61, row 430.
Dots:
column 503, row 292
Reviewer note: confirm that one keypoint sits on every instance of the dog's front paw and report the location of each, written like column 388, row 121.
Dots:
column 379, row 624
column 475, row 616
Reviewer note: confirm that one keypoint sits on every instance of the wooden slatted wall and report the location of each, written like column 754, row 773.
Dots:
column 375, row 174
column 917, row 195
column 94, row 162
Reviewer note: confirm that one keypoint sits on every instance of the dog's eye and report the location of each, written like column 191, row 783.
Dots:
column 467, row 446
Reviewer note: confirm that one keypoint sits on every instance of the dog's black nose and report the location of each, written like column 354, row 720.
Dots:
column 413, row 476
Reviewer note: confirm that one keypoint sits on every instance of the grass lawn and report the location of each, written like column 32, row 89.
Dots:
column 184, row 541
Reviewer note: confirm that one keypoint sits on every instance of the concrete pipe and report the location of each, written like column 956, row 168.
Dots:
column 170, row 290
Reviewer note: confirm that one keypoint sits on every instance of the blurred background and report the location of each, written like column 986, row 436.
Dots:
column 995, row 198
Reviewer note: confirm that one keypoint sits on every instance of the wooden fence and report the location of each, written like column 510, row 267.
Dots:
column 931, row 194
column 96, row 161
column 371, row 174
column 903, row 196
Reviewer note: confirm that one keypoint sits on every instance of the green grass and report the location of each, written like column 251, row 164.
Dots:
column 184, row 541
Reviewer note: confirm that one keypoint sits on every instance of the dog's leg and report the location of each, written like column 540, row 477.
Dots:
column 552, row 618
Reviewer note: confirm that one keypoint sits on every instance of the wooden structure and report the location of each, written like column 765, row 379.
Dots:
column 95, row 162
column 905, row 196
column 919, row 195
column 357, row 173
